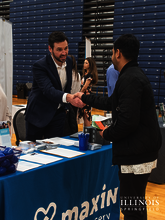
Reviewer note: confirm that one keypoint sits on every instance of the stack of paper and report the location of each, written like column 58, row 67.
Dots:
column 63, row 152
column 62, row 141
column 26, row 165
column 31, row 161
column 40, row 158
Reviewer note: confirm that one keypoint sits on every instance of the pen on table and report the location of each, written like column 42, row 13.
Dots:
column 34, row 153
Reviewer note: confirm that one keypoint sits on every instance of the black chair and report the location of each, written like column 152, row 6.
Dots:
column 19, row 125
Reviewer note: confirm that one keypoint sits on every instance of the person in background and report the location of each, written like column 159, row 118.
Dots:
column 76, row 81
column 135, row 132
column 90, row 78
column 49, row 97
column 111, row 77
column 71, row 125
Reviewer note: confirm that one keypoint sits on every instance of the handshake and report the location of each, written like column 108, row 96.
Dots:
column 75, row 99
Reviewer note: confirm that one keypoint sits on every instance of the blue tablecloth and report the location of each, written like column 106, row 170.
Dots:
column 84, row 187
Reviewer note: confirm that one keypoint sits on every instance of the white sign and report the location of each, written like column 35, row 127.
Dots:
column 6, row 60
column 87, row 47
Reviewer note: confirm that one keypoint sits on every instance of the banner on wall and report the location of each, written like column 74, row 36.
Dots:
column 6, row 60
column 87, row 47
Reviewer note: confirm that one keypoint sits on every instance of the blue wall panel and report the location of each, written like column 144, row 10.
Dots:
column 33, row 21
column 145, row 19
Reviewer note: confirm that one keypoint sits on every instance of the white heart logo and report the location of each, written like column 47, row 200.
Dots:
column 52, row 204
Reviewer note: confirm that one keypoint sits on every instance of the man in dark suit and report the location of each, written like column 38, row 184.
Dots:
column 48, row 100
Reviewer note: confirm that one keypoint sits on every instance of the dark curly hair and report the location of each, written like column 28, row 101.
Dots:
column 56, row 37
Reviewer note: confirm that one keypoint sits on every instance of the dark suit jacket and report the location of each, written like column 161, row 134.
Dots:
column 46, row 92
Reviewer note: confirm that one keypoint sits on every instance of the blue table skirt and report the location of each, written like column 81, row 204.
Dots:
column 84, row 187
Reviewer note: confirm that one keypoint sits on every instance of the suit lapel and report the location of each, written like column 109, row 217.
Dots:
column 54, row 71
column 55, row 74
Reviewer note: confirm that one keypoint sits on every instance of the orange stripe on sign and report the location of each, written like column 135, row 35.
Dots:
column 101, row 126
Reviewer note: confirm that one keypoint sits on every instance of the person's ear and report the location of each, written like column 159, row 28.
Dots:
column 50, row 49
column 118, row 53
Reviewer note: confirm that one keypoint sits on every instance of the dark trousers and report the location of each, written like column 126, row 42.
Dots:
column 53, row 129
column 75, row 109
column 132, row 195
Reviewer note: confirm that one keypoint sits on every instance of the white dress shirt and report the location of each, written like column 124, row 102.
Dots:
column 63, row 78
column 76, row 84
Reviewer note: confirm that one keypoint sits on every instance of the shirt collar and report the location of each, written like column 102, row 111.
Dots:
column 127, row 65
column 63, row 64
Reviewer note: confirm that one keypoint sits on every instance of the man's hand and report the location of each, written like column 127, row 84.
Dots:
column 101, row 132
column 78, row 94
column 75, row 100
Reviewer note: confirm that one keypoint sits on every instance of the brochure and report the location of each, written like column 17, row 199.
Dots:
column 99, row 121
column 4, row 134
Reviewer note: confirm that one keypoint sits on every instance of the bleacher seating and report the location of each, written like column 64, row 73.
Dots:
column 145, row 19
column 33, row 21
